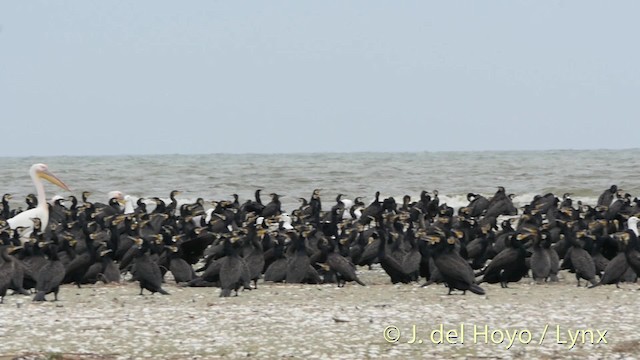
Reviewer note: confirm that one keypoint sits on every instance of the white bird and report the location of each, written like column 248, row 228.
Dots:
column 23, row 219
column 632, row 224
column 128, row 205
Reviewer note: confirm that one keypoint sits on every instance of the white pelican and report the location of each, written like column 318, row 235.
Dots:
column 632, row 224
column 128, row 205
column 23, row 219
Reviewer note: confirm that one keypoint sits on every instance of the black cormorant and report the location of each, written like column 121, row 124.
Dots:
column 232, row 269
column 455, row 271
column 146, row 271
column 50, row 275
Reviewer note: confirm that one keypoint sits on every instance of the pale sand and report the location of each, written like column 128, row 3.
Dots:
column 319, row 321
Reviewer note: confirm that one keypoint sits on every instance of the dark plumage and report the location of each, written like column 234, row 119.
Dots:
column 273, row 208
column 277, row 270
column 508, row 265
column 180, row 269
column 631, row 249
column 233, row 274
column 50, row 275
column 8, row 268
column 146, row 272
column 109, row 270
column 455, row 271
column 337, row 264
column 614, row 271
column 607, row 196
column 581, row 260
column 540, row 259
column 298, row 264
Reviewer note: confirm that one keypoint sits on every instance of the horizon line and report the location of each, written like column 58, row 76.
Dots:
column 317, row 152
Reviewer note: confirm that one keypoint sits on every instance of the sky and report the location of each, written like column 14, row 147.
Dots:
column 199, row 77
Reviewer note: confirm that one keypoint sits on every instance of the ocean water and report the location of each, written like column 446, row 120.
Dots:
column 583, row 173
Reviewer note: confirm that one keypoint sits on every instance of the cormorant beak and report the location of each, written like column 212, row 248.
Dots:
column 433, row 239
column 105, row 252
column 624, row 238
column 14, row 249
column 47, row 175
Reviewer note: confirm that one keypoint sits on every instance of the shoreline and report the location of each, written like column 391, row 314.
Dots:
column 321, row 321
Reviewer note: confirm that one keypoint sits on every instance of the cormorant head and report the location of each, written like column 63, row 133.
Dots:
column 31, row 199
column 37, row 223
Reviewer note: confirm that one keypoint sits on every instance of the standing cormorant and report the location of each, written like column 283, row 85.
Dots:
column 50, row 275
column 8, row 267
column 273, row 208
column 455, row 271
column 232, row 269
column 607, row 196
column 343, row 269
column 581, row 260
column 146, row 271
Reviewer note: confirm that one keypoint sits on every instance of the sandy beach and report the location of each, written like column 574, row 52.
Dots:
column 325, row 322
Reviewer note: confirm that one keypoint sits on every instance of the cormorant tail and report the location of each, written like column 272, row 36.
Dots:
column 163, row 291
column 39, row 296
column 476, row 289
column 594, row 285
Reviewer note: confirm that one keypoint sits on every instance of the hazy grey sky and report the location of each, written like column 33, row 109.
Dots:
column 141, row 77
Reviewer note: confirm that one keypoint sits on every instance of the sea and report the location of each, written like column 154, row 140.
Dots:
column 585, row 174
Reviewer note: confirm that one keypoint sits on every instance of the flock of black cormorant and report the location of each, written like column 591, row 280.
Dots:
column 233, row 244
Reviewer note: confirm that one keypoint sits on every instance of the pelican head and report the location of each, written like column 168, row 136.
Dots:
column 42, row 171
column 118, row 195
